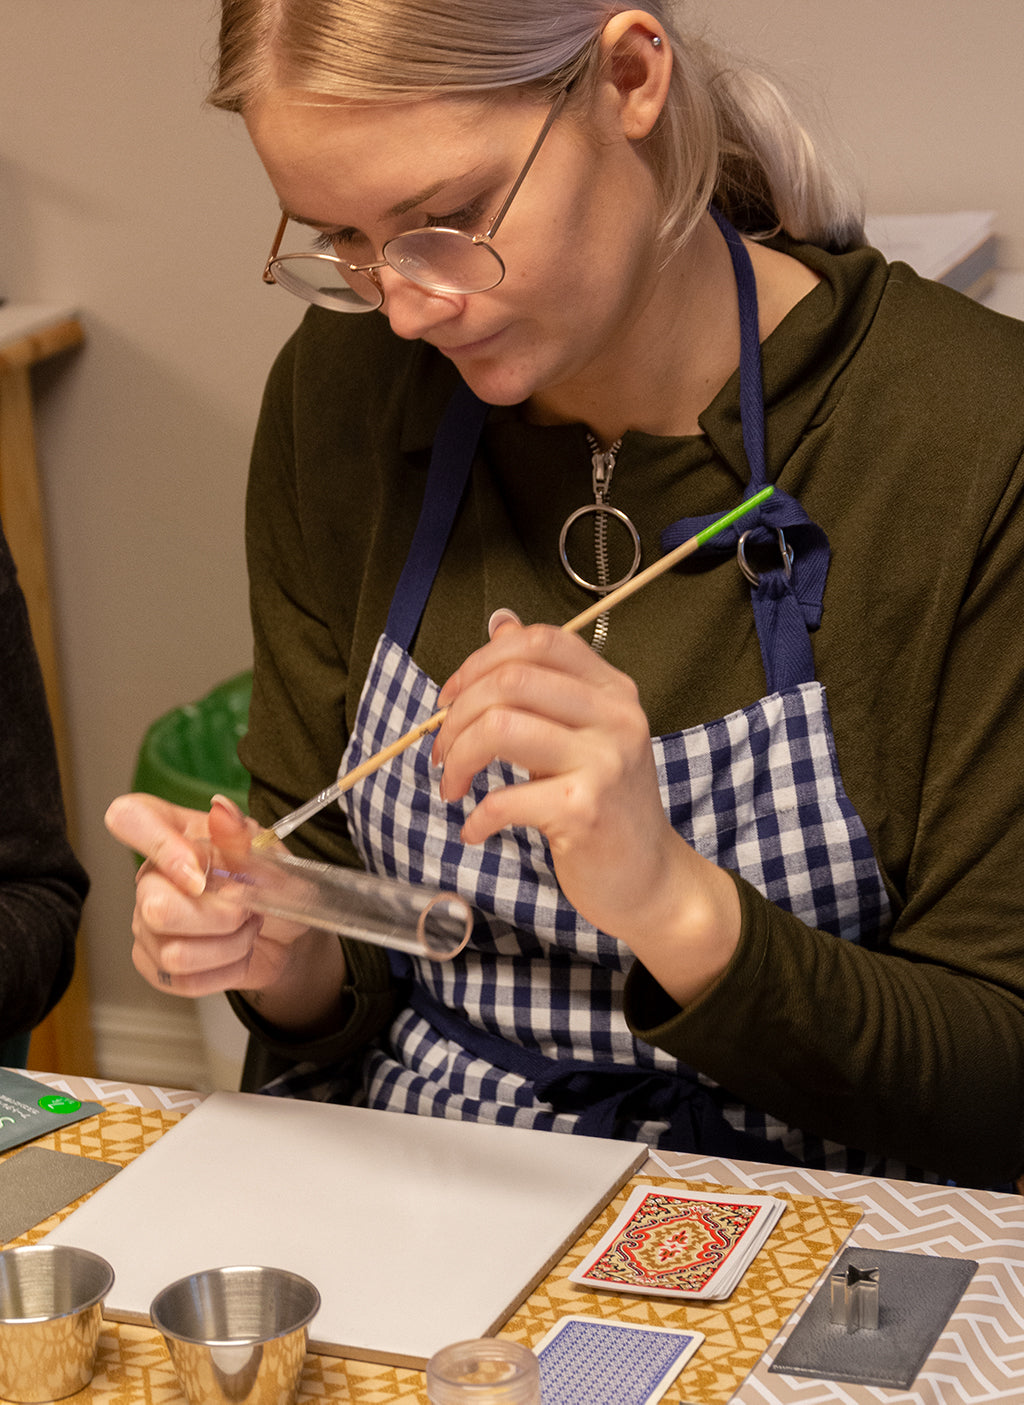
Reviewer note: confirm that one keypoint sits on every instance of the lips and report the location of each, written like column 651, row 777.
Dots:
column 470, row 348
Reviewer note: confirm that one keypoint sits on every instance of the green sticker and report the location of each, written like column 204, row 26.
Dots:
column 59, row 1103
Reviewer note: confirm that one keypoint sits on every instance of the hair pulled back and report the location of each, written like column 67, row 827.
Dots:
column 727, row 133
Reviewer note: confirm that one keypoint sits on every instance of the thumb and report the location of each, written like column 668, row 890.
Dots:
column 229, row 829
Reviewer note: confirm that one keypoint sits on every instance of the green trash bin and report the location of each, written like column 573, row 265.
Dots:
column 191, row 753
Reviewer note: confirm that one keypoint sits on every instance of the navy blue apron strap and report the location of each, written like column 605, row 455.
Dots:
column 450, row 461
column 751, row 379
column 787, row 598
column 606, row 1096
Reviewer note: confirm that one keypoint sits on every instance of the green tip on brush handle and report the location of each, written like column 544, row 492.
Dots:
column 730, row 517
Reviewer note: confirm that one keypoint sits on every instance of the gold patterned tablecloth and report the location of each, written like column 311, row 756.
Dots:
column 133, row 1367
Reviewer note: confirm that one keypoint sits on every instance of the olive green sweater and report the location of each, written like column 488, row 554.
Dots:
column 896, row 418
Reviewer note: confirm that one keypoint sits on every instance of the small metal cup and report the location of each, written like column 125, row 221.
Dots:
column 237, row 1336
column 50, row 1311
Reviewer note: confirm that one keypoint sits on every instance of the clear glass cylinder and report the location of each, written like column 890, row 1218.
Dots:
column 407, row 917
column 490, row 1371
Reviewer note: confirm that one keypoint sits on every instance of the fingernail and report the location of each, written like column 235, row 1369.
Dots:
column 229, row 805
column 501, row 616
column 192, row 879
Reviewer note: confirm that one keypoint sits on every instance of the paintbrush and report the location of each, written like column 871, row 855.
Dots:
column 291, row 821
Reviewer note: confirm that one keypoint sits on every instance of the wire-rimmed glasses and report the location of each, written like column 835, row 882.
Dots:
column 436, row 257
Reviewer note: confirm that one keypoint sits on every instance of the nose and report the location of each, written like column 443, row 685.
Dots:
column 414, row 311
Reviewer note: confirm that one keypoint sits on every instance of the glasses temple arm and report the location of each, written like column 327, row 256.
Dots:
column 556, row 108
column 268, row 276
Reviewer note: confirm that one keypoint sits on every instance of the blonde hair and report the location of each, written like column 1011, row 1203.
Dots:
column 727, row 133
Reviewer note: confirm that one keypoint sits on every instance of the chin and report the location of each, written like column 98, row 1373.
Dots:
column 509, row 379
column 497, row 385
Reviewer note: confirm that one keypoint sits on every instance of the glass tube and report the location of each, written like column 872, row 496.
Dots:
column 417, row 920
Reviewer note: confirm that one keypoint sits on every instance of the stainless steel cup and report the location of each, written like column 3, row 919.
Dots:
column 237, row 1336
column 50, row 1311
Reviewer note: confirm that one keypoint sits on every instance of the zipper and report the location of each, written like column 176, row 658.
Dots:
column 603, row 461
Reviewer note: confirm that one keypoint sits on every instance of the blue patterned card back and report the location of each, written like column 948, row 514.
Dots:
column 592, row 1361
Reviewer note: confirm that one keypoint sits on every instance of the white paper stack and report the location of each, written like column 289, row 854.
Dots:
column 959, row 249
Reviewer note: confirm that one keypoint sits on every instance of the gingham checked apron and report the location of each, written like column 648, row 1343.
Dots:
column 525, row 1027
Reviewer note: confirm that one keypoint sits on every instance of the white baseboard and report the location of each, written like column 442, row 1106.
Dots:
column 150, row 1046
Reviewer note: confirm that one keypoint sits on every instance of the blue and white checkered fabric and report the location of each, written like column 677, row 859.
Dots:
column 758, row 792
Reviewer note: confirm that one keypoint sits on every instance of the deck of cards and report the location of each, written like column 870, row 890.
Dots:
column 680, row 1243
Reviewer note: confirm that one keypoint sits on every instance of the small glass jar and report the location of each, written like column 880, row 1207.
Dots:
column 491, row 1371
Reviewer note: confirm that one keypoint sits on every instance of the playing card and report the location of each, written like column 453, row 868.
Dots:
column 680, row 1244
column 588, row 1360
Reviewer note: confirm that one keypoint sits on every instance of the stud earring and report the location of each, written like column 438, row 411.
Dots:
column 656, row 41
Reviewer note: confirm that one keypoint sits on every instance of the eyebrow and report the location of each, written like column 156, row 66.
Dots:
column 403, row 206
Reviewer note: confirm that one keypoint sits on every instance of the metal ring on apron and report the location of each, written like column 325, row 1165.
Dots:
column 752, row 576
column 621, row 517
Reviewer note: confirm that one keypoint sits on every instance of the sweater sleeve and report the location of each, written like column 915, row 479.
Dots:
column 297, row 729
column 42, row 885
column 912, row 1045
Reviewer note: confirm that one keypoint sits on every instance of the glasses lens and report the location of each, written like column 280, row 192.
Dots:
column 445, row 260
column 327, row 282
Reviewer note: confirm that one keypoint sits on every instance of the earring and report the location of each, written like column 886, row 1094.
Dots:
column 656, row 41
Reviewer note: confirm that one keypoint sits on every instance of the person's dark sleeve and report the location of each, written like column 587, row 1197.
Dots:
column 297, row 730
column 368, row 1002
column 913, row 1046
column 42, row 884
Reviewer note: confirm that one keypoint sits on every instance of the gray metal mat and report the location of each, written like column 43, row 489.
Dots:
column 917, row 1296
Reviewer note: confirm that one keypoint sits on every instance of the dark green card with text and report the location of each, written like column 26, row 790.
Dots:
column 29, row 1109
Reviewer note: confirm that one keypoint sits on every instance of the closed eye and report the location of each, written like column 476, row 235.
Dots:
column 352, row 246
column 335, row 242
column 462, row 219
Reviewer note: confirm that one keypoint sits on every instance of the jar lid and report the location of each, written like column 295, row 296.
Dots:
column 490, row 1371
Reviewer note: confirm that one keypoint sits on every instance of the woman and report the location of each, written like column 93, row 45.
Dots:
column 715, row 911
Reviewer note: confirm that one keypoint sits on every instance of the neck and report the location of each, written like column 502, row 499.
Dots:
column 681, row 348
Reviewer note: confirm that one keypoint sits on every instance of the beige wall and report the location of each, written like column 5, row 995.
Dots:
column 119, row 194
column 927, row 94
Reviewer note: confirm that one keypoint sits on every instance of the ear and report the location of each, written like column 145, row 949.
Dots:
column 637, row 62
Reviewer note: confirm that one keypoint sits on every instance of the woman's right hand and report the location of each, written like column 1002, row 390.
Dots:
column 189, row 942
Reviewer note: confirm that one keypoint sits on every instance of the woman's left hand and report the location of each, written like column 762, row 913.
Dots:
column 541, row 699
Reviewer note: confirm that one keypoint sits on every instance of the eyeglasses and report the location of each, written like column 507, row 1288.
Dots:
column 441, row 259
